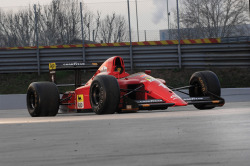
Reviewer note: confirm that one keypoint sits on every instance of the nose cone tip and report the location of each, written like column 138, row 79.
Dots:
column 174, row 98
column 178, row 102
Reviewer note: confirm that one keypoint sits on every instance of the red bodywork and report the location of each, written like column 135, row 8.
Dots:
column 153, row 88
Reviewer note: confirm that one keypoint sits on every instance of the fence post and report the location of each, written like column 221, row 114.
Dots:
column 131, row 49
column 83, row 38
column 137, row 21
column 37, row 44
column 168, row 22
column 179, row 39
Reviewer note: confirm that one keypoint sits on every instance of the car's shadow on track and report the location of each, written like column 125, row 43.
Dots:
column 170, row 110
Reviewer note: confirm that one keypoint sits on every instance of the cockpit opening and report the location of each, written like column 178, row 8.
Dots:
column 119, row 65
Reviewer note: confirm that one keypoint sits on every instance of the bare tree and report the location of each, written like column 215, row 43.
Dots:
column 88, row 24
column 24, row 27
column 59, row 23
column 113, row 28
column 120, row 33
column 212, row 18
column 17, row 29
column 4, row 30
column 48, row 23
column 107, row 27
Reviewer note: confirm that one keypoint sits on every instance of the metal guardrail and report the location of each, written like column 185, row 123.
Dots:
column 238, row 39
column 144, row 57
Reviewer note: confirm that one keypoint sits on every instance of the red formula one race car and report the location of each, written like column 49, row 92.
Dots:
column 111, row 90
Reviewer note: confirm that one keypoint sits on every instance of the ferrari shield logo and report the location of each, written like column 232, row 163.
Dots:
column 80, row 101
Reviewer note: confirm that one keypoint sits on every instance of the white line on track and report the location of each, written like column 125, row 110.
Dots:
column 140, row 115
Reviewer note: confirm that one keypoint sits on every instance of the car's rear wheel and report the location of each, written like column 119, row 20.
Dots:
column 42, row 99
column 205, row 83
column 104, row 94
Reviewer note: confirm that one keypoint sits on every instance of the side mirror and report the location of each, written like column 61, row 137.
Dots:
column 147, row 72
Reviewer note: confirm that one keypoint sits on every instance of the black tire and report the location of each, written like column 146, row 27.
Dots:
column 104, row 94
column 205, row 83
column 42, row 99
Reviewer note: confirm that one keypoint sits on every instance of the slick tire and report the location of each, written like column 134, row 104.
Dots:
column 42, row 99
column 104, row 94
column 205, row 83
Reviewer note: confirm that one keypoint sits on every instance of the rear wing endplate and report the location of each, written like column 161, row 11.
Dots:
column 76, row 66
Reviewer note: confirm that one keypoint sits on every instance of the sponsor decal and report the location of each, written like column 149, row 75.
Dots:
column 175, row 97
column 52, row 66
column 147, row 77
column 80, row 101
column 203, row 87
column 196, row 98
column 74, row 64
column 104, row 69
column 149, row 101
column 133, row 75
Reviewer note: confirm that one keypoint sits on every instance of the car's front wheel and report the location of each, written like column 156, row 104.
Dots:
column 205, row 83
column 104, row 94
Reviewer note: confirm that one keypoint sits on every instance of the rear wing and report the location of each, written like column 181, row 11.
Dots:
column 76, row 66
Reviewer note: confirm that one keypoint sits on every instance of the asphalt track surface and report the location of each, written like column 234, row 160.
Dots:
column 176, row 136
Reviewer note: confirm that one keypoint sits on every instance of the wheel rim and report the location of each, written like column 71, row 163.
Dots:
column 31, row 99
column 96, row 94
column 197, row 90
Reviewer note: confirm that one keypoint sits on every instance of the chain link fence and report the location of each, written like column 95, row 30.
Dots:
column 59, row 22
